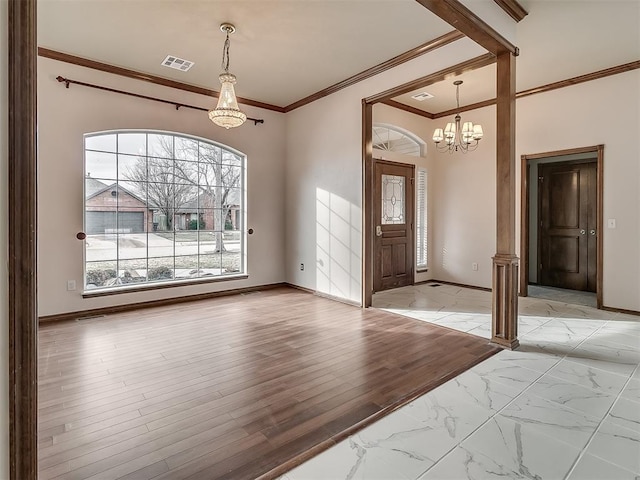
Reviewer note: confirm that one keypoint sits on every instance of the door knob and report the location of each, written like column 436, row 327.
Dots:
column 582, row 232
column 592, row 232
column 378, row 231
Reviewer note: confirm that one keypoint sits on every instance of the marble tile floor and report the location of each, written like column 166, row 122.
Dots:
column 575, row 297
column 565, row 405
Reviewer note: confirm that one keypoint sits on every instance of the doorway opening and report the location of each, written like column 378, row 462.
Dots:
column 561, row 228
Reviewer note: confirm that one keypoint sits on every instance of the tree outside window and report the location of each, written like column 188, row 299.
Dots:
column 178, row 212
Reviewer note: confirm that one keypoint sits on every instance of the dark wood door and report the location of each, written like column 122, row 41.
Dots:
column 393, row 201
column 567, row 232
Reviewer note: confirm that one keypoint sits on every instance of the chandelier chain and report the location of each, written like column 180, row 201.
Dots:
column 225, row 54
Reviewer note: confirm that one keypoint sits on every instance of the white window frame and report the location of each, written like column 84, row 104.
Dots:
column 422, row 216
column 241, row 196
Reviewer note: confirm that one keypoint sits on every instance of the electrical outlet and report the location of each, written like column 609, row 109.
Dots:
column 302, row 266
column 71, row 285
column 611, row 223
column 474, row 266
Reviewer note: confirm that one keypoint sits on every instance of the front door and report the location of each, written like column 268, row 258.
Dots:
column 567, row 227
column 393, row 223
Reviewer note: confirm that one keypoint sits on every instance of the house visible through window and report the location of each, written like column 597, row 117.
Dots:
column 161, row 207
column 421, row 219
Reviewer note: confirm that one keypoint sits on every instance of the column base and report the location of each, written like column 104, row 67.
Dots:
column 504, row 322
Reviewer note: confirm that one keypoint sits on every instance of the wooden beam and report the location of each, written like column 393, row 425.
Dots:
column 461, row 18
column 429, row 46
column 408, row 108
column 513, row 9
column 165, row 82
column 23, row 304
column 474, row 63
column 505, row 261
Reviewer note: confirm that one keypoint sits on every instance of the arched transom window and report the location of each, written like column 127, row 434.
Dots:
column 396, row 139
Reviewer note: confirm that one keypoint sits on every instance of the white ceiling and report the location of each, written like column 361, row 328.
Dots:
column 282, row 51
column 478, row 85
column 285, row 50
column 559, row 39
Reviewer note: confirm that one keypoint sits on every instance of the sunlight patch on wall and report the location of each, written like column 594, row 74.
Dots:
column 338, row 246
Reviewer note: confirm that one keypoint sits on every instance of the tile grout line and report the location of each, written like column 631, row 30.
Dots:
column 565, row 356
column 521, row 394
column 497, row 412
column 584, row 450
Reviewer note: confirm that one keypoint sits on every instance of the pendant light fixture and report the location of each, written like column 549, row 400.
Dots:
column 227, row 114
column 463, row 139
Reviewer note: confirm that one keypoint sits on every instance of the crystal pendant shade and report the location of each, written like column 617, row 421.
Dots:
column 227, row 114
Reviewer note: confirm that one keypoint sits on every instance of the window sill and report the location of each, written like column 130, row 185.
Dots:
column 103, row 292
column 422, row 270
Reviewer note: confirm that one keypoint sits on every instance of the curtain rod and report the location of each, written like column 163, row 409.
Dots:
column 68, row 82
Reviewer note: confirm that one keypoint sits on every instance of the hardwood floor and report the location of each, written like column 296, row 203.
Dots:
column 229, row 388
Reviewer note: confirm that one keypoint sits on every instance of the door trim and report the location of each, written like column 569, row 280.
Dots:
column 372, row 201
column 524, row 213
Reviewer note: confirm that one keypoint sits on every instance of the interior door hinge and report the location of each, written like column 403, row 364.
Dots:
column 540, row 266
column 541, row 179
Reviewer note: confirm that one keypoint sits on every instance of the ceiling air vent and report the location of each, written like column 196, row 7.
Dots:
column 421, row 96
column 178, row 63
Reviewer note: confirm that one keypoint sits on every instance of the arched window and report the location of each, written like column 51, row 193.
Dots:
column 395, row 139
column 161, row 207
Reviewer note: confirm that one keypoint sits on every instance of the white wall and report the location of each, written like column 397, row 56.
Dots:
column 4, row 245
column 605, row 111
column 65, row 115
column 419, row 126
column 464, row 218
column 324, row 177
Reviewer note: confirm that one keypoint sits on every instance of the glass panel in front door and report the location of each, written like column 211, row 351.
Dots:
column 393, row 199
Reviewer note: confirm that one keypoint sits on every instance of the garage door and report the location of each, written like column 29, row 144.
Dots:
column 98, row 223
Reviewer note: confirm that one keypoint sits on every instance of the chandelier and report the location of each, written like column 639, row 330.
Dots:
column 463, row 139
column 227, row 114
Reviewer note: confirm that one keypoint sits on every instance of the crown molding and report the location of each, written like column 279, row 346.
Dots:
column 408, row 108
column 513, row 9
column 134, row 74
column 429, row 46
column 607, row 72
column 460, row 68
column 126, row 72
